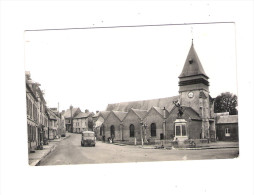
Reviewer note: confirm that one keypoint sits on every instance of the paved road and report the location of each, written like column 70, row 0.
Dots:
column 69, row 151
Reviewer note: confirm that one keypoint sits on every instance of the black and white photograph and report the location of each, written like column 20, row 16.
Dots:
column 126, row 97
column 151, row 97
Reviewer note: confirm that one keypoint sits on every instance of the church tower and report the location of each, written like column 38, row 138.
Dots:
column 194, row 90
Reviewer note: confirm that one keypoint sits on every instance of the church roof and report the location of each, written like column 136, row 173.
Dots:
column 120, row 115
column 159, row 110
column 192, row 66
column 192, row 113
column 143, row 104
column 189, row 111
column 103, row 114
column 141, row 113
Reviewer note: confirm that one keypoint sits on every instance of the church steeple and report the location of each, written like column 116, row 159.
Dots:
column 193, row 76
column 192, row 65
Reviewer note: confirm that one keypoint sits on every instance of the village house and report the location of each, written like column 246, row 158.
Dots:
column 61, row 131
column 69, row 114
column 98, row 124
column 53, row 121
column 227, row 127
column 83, row 122
column 37, row 118
column 32, row 116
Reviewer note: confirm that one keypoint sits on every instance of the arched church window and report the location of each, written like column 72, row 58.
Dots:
column 112, row 131
column 132, row 130
column 153, row 129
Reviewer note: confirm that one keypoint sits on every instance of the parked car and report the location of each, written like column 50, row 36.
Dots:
column 88, row 138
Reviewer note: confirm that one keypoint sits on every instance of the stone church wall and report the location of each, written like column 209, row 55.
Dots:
column 131, row 118
column 112, row 120
column 154, row 117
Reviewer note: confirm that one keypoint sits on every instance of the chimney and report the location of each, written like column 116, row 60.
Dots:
column 97, row 111
column 86, row 111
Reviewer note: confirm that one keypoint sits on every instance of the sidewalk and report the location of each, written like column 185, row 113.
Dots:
column 203, row 146
column 35, row 158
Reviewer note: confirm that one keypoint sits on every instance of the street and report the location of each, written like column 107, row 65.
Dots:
column 69, row 151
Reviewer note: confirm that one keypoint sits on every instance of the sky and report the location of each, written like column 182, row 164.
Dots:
column 90, row 68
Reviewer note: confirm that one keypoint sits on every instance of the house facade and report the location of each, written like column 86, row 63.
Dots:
column 98, row 122
column 37, row 118
column 69, row 115
column 227, row 128
column 32, row 118
column 53, row 124
column 83, row 122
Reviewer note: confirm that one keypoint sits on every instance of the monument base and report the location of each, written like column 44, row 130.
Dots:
column 180, row 130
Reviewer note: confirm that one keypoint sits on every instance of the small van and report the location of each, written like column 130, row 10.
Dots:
column 88, row 138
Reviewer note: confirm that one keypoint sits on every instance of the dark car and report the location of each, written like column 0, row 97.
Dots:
column 88, row 138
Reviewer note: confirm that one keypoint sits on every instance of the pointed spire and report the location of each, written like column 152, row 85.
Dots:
column 192, row 66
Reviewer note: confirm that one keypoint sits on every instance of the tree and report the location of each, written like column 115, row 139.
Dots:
column 226, row 102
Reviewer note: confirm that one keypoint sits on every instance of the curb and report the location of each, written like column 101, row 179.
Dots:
column 205, row 148
column 198, row 148
column 37, row 162
column 151, row 147
column 50, row 150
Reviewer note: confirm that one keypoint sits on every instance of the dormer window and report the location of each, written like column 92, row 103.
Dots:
column 190, row 60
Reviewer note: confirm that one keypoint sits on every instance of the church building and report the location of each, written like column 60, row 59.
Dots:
column 188, row 115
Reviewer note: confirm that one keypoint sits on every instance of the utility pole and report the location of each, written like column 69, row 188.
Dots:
column 71, row 107
column 164, row 126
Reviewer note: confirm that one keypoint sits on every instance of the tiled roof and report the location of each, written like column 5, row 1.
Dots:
column 67, row 113
column 99, row 122
column 31, row 92
column 96, row 115
column 83, row 115
column 52, row 115
column 227, row 119
column 120, row 114
column 158, row 110
column 141, row 113
column 143, row 104
column 192, row 113
column 104, row 114
column 192, row 65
